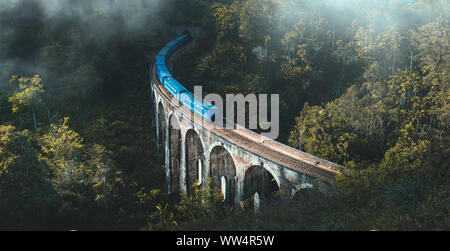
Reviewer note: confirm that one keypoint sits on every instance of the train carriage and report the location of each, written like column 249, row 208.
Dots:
column 177, row 90
column 174, row 87
column 162, row 72
column 160, row 60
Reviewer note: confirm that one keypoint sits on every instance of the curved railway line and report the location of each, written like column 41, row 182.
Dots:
column 250, row 141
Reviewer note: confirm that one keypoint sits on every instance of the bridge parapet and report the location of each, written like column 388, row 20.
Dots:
column 240, row 161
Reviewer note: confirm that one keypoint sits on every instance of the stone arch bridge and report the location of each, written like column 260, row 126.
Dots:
column 242, row 163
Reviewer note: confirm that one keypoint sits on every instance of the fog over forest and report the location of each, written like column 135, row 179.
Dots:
column 362, row 83
column 102, row 18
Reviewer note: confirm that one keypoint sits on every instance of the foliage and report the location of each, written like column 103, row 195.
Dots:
column 357, row 87
column 28, row 199
column 205, row 204
column 78, row 172
column 28, row 97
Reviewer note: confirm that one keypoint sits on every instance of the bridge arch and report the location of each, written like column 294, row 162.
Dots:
column 162, row 125
column 306, row 192
column 223, row 173
column 259, row 183
column 258, row 160
column 174, row 155
column 195, row 161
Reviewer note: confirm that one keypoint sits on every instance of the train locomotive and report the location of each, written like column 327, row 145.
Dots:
column 178, row 91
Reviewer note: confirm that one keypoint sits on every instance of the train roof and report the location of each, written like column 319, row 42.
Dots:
column 197, row 100
column 162, row 71
column 160, row 60
column 164, row 52
column 175, row 85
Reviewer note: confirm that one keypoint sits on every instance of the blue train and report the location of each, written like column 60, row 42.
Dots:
column 178, row 91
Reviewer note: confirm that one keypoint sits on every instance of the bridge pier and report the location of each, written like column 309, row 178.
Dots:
column 240, row 174
column 239, row 162
column 219, row 159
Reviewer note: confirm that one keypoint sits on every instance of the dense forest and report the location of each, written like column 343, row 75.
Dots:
column 364, row 84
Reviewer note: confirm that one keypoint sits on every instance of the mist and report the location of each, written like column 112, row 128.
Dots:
column 361, row 83
column 27, row 28
column 379, row 13
column 134, row 12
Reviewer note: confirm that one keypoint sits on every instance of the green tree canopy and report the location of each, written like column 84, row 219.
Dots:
column 28, row 199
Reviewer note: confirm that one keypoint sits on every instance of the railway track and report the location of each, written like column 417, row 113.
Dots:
column 306, row 166
column 267, row 148
column 272, row 154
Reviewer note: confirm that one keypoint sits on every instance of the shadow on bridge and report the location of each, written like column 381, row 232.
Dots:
column 175, row 157
column 259, row 187
column 223, row 173
column 195, row 161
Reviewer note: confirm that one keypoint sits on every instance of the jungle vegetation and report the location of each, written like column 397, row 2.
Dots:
column 364, row 84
